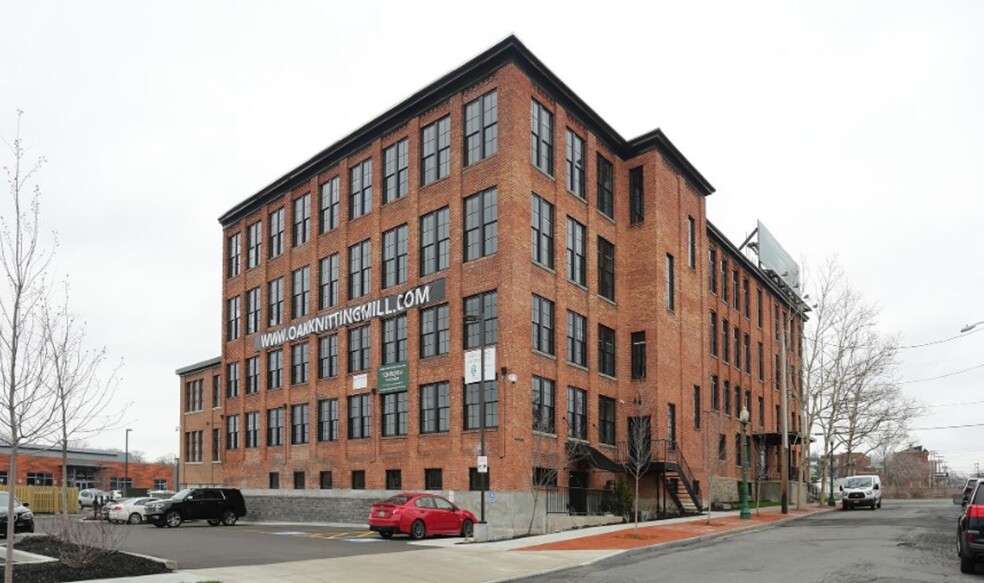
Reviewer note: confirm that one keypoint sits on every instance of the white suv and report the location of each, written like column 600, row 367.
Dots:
column 87, row 497
column 861, row 491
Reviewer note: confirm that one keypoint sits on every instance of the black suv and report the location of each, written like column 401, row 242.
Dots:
column 216, row 505
column 970, row 530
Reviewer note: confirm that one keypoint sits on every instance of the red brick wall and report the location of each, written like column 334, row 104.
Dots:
column 141, row 474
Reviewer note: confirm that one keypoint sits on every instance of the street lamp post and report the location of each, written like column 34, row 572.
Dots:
column 481, row 402
column 745, row 512
column 126, row 463
column 830, row 498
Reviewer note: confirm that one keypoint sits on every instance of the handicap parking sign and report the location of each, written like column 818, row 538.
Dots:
column 491, row 496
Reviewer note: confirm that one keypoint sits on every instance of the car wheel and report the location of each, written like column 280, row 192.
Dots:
column 173, row 519
column 418, row 530
column 386, row 534
column 229, row 518
column 844, row 506
column 159, row 524
column 879, row 504
column 214, row 522
column 467, row 528
column 967, row 565
column 135, row 518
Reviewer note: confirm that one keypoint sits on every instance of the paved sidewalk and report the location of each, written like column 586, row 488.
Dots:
column 452, row 560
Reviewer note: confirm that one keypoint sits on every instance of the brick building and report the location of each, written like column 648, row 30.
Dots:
column 494, row 200
column 87, row 468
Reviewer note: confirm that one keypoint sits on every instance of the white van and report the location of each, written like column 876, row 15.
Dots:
column 861, row 491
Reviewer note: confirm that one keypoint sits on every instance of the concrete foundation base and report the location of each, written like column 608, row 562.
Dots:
column 481, row 532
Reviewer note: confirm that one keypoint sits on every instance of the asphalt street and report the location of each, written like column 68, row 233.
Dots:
column 905, row 541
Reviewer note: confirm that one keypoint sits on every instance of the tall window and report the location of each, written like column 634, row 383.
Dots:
column 473, row 404
column 396, row 171
column 714, row 333
column 606, row 187
column 328, row 356
column 328, row 420
column 232, row 380
column 637, row 209
column 194, row 395
column 691, row 243
column 252, row 375
column 435, row 151
column 254, row 244
column 543, row 325
column 395, row 256
column 746, row 300
column 232, row 325
column 761, row 412
column 543, row 405
column 360, row 189
column 435, row 407
column 577, row 338
column 725, row 341
column 748, row 354
column 737, row 401
column 434, row 331
column 724, row 280
column 712, row 279
column 481, row 128
column 758, row 303
column 328, row 289
column 358, row 417
column 330, row 205
column 577, row 413
column 253, row 310
column 299, row 424
column 301, row 290
column 726, row 392
column 252, row 436
column 302, row 220
column 576, row 252
column 575, row 163
column 761, row 362
column 542, row 232
column 715, row 394
column 638, row 355
column 275, row 369
column 275, row 301
column 276, row 243
column 484, row 304
column 395, row 339
column 697, row 406
column 670, row 284
column 671, row 425
column 360, row 269
column 216, row 391
column 481, row 235
column 737, row 346
column 606, row 269
column 734, row 283
column 606, row 350
column 275, row 426
column 394, row 414
column 358, row 349
column 606, row 420
column 234, row 265
column 541, row 137
column 299, row 363
column 435, row 241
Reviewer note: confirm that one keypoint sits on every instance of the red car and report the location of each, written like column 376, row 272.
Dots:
column 419, row 515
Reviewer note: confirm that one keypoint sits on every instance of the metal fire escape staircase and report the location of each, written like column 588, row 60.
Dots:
column 667, row 461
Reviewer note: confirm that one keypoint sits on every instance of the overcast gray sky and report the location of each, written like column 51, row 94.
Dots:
column 849, row 128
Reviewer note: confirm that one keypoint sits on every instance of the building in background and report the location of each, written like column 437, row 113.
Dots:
column 87, row 468
column 493, row 209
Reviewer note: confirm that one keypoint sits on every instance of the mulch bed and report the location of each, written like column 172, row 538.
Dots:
column 111, row 565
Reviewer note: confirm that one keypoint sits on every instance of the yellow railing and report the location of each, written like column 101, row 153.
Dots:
column 46, row 499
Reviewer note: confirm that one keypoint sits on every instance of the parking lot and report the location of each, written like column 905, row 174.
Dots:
column 196, row 545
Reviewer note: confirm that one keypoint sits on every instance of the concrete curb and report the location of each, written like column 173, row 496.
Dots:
column 169, row 563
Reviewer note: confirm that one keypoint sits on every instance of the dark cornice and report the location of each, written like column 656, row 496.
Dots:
column 509, row 50
column 198, row 366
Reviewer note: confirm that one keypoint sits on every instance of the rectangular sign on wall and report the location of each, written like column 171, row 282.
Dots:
column 392, row 378
column 473, row 362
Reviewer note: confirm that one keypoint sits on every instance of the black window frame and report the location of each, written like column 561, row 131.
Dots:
column 359, row 349
column 577, row 413
column 435, row 407
column 577, row 338
column 394, row 332
column 252, row 375
column 606, row 351
column 481, row 223
column 577, row 252
column 300, row 424
column 542, row 231
column 606, row 269
column 544, row 396
column 275, row 239
column 435, row 150
column 300, row 363
column 435, row 241
column 606, row 186
column 396, row 171
column 329, row 283
column 472, row 406
column 544, row 324
column 606, row 420
column 234, row 265
column 395, row 413
column 360, row 269
column 435, row 331
column 275, row 427
column 328, row 356
column 360, row 189
column 637, row 196
column 328, row 422
column 395, row 256
column 541, row 137
column 300, row 289
column 301, row 232
column 481, row 128
column 574, row 160
column 254, row 244
column 331, row 205
column 638, row 345
column 275, row 369
column 359, row 417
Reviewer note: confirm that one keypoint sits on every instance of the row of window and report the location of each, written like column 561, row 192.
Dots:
column 433, row 480
column 480, row 139
column 736, row 346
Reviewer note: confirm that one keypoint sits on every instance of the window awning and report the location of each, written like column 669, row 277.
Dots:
column 578, row 451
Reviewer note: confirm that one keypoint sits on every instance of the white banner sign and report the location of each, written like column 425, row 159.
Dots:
column 473, row 362
column 483, row 464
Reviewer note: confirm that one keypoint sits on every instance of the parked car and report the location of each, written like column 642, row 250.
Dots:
column 216, row 505
column 419, row 515
column 970, row 530
column 23, row 517
column 861, row 491
column 129, row 510
column 87, row 497
column 161, row 494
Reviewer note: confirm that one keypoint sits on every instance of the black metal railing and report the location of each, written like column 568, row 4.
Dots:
column 641, row 455
column 578, row 501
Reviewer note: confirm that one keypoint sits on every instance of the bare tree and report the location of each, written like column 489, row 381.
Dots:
column 25, row 401
column 638, row 454
column 82, row 396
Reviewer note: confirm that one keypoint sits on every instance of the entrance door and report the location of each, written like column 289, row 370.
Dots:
column 577, row 483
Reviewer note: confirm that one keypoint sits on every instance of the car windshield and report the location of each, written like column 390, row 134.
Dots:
column 857, row 483
column 182, row 494
column 396, row 500
column 4, row 500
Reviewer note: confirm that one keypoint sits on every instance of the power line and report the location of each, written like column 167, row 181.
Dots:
column 948, row 427
column 956, row 404
column 962, row 335
column 952, row 374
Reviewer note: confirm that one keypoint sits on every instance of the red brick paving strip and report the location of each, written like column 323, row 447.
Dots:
column 643, row 536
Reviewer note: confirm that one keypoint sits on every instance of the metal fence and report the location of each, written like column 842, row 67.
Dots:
column 578, row 501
